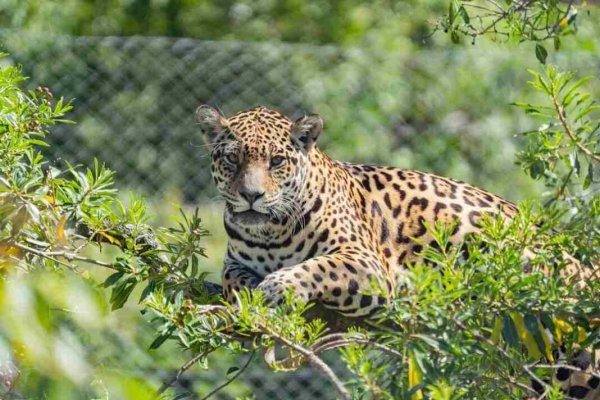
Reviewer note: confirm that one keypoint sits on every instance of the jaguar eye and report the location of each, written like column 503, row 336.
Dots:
column 232, row 158
column 276, row 161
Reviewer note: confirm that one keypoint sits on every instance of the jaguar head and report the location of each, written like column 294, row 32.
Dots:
column 260, row 160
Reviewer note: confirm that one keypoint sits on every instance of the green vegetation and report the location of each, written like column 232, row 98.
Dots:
column 57, row 336
column 73, row 253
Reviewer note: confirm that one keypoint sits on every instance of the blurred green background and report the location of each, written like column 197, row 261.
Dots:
column 390, row 90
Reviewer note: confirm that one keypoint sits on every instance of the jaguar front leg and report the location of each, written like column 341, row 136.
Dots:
column 340, row 282
column 235, row 277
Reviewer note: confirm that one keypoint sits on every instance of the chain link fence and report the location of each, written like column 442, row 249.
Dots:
column 260, row 383
column 135, row 99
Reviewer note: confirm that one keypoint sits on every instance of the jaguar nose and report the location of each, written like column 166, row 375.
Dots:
column 251, row 195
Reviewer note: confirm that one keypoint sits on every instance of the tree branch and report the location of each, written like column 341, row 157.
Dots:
column 62, row 253
column 334, row 341
column 234, row 377
column 180, row 372
column 565, row 124
column 308, row 354
column 313, row 360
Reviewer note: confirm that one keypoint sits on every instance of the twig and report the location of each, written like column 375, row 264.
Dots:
column 180, row 372
column 234, row 377
column 565, row 366
column 64, row 254
column 41, row 254
column 563, row 121
column 308, row 354
column 333, row 344
column 314, row 361
column 502, row 15
column 557, row 23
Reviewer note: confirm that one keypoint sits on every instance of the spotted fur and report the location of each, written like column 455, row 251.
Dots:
column 329, row 230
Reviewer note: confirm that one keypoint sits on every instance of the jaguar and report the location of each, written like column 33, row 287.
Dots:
column 336, row 233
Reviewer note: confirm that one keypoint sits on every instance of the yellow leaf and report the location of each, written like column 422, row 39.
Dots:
column 562, row 327
column 9, row 251
column 564, row 21
column 109, row 238
column 19, row 350
column 496, row 331
column 415, row 376
column 547, row 338
column 61, row 233
column 7, row 256
column 50, row 199
column 581, row 334
column 532, row 348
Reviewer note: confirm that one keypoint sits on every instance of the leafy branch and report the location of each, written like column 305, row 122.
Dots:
column 567, row 138
column 524, row 20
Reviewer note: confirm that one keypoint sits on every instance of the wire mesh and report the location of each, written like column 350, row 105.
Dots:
column 135, row 98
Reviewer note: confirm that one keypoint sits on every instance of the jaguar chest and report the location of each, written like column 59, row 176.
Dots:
column 265, row 258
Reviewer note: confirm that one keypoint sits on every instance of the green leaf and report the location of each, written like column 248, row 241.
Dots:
column 121, row 292
column 451, row 13
column 572, row 93
column 547, row 322
column 454, row 37
column 509, row 331
column 37, row 142
column 148, row 290
column 541, row 53
column 537, row 169
column 464, row 15
column 231, row 370
column 194, row 271
column 531, row 324
column 112, row 279
column 156, row 343
column 589, row 178
column 429, row 340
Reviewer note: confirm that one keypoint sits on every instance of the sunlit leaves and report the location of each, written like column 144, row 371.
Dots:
column 50, row 221
column 511, row 20
column 563, row 149
column 564, row 152
column 478, row 315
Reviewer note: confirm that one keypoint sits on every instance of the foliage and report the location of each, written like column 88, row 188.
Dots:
column 50, row 223
column 533, row 21
column 57, row 338
column 483, row 324
column 564, row 152
column 43, row 295
column 318, row 22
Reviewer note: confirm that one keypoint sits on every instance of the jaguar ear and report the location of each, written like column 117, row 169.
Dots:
column 211, row 121
column 306, row 130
